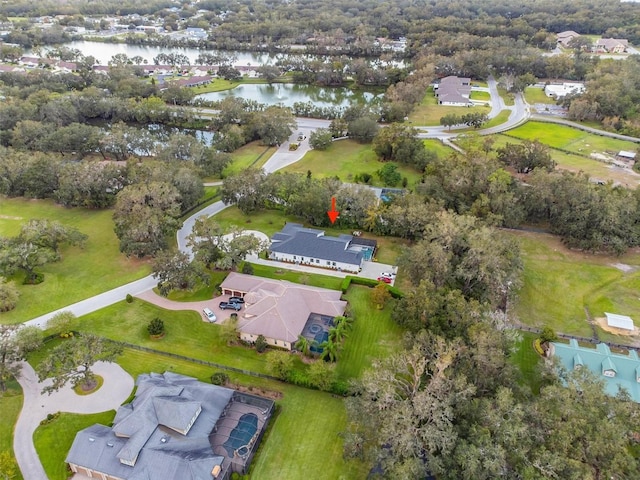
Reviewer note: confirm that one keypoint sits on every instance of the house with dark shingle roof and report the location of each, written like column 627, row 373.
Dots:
column 309, row 246
column 454, row 91
column 176, row 428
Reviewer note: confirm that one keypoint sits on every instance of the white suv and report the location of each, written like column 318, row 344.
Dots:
column 209, row 315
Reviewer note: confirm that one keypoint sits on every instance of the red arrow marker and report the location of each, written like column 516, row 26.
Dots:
column 333, row 213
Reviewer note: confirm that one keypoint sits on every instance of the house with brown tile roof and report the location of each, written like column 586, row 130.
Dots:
column 611, row 45
column 277, row 309
column 564, row 38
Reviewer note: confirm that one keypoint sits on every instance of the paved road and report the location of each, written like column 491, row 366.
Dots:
column 116, row 388
column 23, row 446
column 520, row 113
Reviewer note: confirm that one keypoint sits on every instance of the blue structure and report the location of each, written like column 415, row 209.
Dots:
column 617, row 370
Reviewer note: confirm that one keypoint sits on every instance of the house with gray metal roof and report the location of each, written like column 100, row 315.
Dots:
column 309, row 246
column 176, row 428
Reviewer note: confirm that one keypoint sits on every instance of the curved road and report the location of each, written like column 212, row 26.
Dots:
column 23, row 445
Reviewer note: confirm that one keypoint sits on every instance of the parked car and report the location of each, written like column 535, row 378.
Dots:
column 385, row 279
column 232, row 305
column 209, row 314
column 236, row 300
column 388, row 275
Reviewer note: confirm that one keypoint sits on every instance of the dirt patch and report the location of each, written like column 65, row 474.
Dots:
column 602, row 323
column 10, row 217
column 624, row 267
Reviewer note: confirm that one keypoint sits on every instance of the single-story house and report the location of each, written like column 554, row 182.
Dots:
column 176, row 428
column 453, row 91
column 619, row 321
column 611, row 45
column 309, row 246
column 616, row 369
column 561, row 90
column 629, row 158
column 564, row 38
column 277, row 309
column 193, row 81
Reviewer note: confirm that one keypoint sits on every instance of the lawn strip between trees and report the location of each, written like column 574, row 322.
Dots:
column 558, row 283
column 81, row 272
column 347, row 159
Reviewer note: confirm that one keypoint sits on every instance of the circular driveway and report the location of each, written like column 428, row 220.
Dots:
column 116, row 388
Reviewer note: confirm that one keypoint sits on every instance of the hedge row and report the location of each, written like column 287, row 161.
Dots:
column 368, row 282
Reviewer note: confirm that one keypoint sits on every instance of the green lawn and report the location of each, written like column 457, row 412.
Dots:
column 315, row 280
column 502, row 117
column 374, row 334
column 303, row 437
column 186, row 333
column 536, row 95
column 253, row 154
column 441, row 149
column 53, row 440
column 480, row 95
column 559, row 283
column 272, row 221
column 10, row 406
column 346, row 159
column 81, row 273
column 508, row 98
column 429, row 113
column 577, row 163
column 572, row 139
column 527, row 360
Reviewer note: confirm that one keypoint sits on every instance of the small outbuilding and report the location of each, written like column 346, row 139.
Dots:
column 619, row 321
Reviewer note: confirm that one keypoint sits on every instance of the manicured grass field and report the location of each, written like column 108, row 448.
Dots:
column 480, row 95
column 577, row 163
column 220, row 84
column 374, row 334
column 346, row 159
column 502, row 117
column 315, row 280
column 266, row 221
column 429, row 113
column 82, row 272
column 567, row 138
column 303, row 437
column 272, row 221
column 253, row 155
column 186, row 333
column 10, row 406
column 53, row 440
column 559, row 283
column 536, row 95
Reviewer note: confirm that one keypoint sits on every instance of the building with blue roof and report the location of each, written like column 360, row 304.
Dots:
column 619, row 371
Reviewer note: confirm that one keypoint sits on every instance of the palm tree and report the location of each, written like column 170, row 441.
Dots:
column 329, row 350
column 338, row 333
column 341, row 320
column 303, row 345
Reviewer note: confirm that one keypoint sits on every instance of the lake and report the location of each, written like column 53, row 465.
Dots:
column 287, row 94
column 104, row 51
